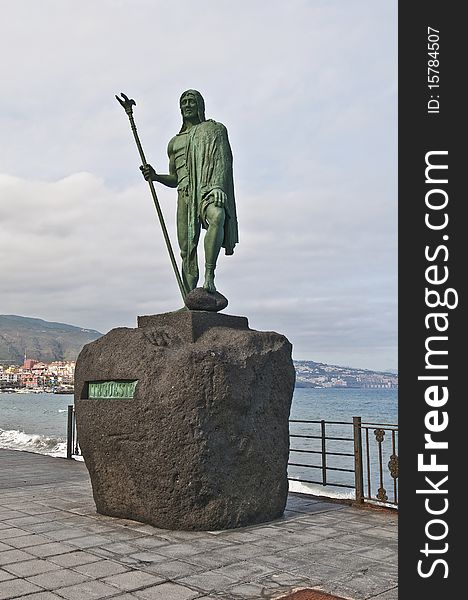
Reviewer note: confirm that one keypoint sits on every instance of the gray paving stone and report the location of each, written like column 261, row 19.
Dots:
column 17, row 587
column 362, row 585
column 359, row 540
column 348, row 561
column 381, row 532
column 57, row 579
column 101, row 568
column 25, row 541
column 381, row 554
column 210, row 560
column 126, row 560
column 178, row 550
column 11, row 532
column 318, row 573
column 281, row 561
column 65, row 534
column 342, row 549
column 46, row 527
column 173, row 569
column 244, row 571
column 119, row 548
column 88, row 541
column 23, row 522
column 133, row 580
column 30, row 508
column 175, row 537
column 88, row 590
column 342, row 525
column 211, row 543
column 385, row 570
column 268, row 531
column 284, row 581
column 92, row 527
column 31, row 567
column 11, row 556
column 4, row 575
column 247, row 590
column 73, row 559
column 149, row 557
column 50, row 549
column 149, row 542
column 144, row 528
column 122, row 534
column 43, row 596
column 67, row 519
column 6, row 513
column 288, row 541
column 241, row 536
column 208, row 581
column 321, row 551
column 103, row 553
column 225, row 556
column 167, row 591
column 388, row 595
column 322, row 531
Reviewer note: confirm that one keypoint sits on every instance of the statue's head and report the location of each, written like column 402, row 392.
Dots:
column 192, row 106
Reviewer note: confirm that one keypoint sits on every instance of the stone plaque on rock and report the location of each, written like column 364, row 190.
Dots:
column 111, row 389
column 203, row 442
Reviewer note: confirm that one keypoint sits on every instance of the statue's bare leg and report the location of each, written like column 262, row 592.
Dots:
column 189, row 255
column 215, row 217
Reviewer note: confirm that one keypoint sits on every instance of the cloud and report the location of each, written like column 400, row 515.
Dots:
column 308, row 92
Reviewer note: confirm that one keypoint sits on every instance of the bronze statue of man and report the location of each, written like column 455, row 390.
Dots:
column 200, row 167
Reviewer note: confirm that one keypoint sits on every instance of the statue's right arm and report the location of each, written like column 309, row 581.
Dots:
column 169, row 180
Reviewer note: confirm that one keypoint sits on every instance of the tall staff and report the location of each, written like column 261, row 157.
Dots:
column 127, row 104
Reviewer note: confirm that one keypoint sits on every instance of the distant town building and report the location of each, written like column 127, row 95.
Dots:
column 38, row 375
column 29, row 363
column 319, row 375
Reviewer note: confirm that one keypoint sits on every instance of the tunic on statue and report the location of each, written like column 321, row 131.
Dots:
column 209, row 165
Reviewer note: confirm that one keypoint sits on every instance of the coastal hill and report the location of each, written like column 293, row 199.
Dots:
column 47, row 342
column 41, row 340
column 321, row 375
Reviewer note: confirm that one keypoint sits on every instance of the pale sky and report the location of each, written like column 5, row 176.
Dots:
column 308, row 92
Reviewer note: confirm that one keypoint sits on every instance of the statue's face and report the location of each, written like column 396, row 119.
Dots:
column 189, row 107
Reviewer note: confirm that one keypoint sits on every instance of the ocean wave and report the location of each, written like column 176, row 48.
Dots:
column 319, row 490
column 12, row 439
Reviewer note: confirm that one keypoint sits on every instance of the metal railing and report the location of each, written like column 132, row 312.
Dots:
column 323, row 452
column 354, row 453
column 376, row 462
column 73, row 448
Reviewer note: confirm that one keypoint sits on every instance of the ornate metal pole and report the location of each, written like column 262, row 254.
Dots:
column 358, row 472
column 127, row 104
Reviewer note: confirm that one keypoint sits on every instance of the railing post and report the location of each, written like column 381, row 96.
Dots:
column 358, row 466
column 70, row 428
column 75, row 435
column 324, row 453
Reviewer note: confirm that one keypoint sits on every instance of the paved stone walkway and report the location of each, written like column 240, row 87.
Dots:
column 53, row 545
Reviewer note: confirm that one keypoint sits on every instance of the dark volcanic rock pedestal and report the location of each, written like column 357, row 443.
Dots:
column 203, row 443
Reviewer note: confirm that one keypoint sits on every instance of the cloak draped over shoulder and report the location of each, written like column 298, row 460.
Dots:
column 209, row 164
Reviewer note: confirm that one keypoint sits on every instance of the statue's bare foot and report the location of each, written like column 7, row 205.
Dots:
column 209, row 285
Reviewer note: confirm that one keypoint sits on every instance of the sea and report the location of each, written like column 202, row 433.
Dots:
column 37, row 422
